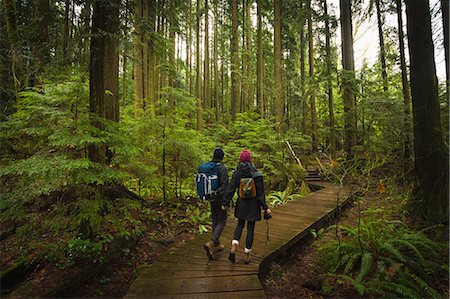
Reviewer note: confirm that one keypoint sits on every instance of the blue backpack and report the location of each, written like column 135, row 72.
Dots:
column 207, row 180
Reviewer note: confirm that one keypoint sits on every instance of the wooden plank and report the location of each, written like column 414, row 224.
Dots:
column 254, row 294
column 171, row 286
column 185, row 272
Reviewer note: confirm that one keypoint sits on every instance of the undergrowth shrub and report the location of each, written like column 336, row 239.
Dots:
column 387, row 258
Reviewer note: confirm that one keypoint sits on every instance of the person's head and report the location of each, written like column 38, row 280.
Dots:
column 245, row 156
column 218, row 154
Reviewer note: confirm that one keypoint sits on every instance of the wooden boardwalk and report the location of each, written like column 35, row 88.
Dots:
column 185, row 272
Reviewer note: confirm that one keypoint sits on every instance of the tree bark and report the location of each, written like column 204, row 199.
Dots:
column 66, row 32
column 303, row 80
column 407, row 146
column 329, row 66
column 279, row 99
column 7, row 90
column 41, row 49
column 235, row 93
column 382, row 50
column 260, row 63
column 250, row 103
column 348, row 77
column 431, row 154
column 312, row 84
column 216, row 58
column 445, row 7
column 206, row 68
column 198, row 77
column 13, row 38
column 104, row 70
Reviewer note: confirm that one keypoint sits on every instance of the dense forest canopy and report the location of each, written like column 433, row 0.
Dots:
column 123, row 99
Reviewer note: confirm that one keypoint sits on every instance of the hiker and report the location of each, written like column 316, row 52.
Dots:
column 219, row 216
column 250, row 200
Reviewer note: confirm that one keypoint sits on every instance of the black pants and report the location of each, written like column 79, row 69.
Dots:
column 250, row 232
column 219, row 219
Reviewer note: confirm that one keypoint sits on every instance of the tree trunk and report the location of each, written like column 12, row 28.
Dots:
column 407, row 146
column 279, row 99
column 260, row 63
column 445, row 7
column 235, row 94
column 125, row 58
column 41, row 49
column 329, row 66
column 312, row 82
column 431, row 154
column 152, row 61
column 348, row 77
column 216, row 58
column 206, row 75
column 104, row 70
column 302, row 79
column 66, row 32
column 7, row 90
column 250, row 103
column 172, row 68
column 139, row 86
column 382, row 51
column 13, row 39
column 189, row 50
column 198, row 77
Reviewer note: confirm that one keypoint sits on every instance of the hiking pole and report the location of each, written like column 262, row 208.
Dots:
column 266, row 220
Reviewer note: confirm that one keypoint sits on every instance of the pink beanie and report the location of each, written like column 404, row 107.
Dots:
column 245, row 156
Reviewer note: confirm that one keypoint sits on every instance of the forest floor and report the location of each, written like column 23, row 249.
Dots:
column 295, row 274
column 291, row 276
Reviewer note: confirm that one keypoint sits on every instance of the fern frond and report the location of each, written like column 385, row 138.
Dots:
column 366, row 265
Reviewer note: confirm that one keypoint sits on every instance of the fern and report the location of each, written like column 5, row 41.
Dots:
column 366, row 265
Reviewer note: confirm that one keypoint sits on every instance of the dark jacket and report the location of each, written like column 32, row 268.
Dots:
column 223, row 178
column 246, row 208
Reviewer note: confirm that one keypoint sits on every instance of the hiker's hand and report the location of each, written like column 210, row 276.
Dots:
column 224, row 208
column 268, row 211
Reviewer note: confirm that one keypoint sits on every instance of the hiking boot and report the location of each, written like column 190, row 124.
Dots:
column 247, row 258
column 232, row 256
column 247, row 255
column 209, row 249
column 218, row 248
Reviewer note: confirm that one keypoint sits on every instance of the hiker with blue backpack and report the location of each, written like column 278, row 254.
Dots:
column 251, row 200
column 212, row 181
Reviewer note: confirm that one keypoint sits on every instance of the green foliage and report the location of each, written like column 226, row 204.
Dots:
column 386, row 258
column 200, row 217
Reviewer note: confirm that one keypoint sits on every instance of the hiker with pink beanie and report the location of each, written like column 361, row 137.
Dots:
column 251, row 199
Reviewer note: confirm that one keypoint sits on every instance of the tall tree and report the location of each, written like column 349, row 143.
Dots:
column 235, row 93
column 259, row 63
column 198, row 82
column 348, row 76
column 216, row 58
column 104, row 69
column 312, row 98
column 140, row 55
column 41, row 48
column 125, row 57
column 7, row 91
column 445, row 8
column 431, row 154
column 329, row 67
column 382, row 48
column 66, row 32
column 206, row 72
column 405, row 86
column 279, row 98
column 172, row 29
column 17, row 70
column 303, row 80
column 249, row 60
